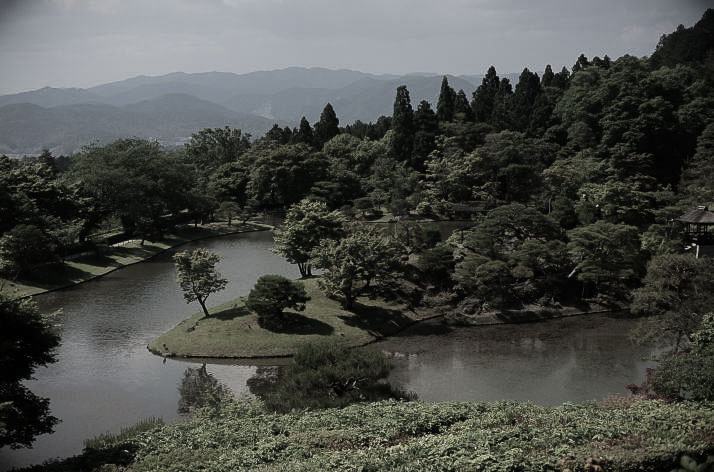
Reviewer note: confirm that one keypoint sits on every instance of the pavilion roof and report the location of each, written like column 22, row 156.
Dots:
column 701, row 215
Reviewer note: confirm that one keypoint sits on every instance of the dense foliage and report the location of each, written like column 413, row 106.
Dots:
column 27, row 342
column 197, row 275
column 354, row 263
column 305, row 225
column 619, row 435
column 680, row 290
column 272, row 295
column 688, row 373
column 329, row 375
column 609, row 150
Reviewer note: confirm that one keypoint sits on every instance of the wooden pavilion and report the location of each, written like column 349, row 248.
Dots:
column 699, row 230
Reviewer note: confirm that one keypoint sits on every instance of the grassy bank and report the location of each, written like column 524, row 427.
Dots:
column 81, row 269
column 233, row 331
column 616, row 435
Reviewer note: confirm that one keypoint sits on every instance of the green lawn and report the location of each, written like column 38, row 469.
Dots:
column 84, row 268
column 233, row 331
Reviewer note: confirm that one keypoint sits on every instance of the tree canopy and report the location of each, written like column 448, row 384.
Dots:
column 197, row 275
column 28, row 342
column 306, row 225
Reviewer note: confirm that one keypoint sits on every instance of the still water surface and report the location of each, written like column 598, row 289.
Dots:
column 106, row 379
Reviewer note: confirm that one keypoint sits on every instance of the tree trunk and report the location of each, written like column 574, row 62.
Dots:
column 203, row 305
column 349, row 296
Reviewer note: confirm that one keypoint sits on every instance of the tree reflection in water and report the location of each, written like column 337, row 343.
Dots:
column 199, row 389
column 265, row 380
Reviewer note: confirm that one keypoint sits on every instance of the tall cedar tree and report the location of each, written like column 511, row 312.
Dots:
column 581, row 63
column 445, row 105
column 462, row 109
column 304, row 134
column 403, row 126
column 501, row 114
column 327, row 127
column 561, row 79
column 427, row 127
column 485, row 95
column 547, row 79
column 527, row 90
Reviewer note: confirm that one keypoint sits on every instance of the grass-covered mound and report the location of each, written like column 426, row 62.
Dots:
column 411, row 436
column 233, row 331
column 110, row 258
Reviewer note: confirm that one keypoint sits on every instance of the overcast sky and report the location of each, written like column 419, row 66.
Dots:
column 80, row 43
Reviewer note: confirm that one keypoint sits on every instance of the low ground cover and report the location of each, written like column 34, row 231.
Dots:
column 623, row 435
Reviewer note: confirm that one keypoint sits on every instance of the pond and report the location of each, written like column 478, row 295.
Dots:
column 105, row 378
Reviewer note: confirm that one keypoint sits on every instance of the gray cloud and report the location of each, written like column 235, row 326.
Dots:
column 85, row 42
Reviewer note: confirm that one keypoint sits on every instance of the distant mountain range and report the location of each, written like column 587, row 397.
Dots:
column 169, row 108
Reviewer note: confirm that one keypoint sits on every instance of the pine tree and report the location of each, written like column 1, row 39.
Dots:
column 327, row 127
column 485, row 95
column 445, row 105
column 403, row 125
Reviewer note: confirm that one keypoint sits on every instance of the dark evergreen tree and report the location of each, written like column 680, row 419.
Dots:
column 287, row 136
column 547, row 79
column 370, row 130
column 403, row 126
column 501, row 116
column 274, row 134
column 427, row 127
column 327, row 127
column 560, row 79
column 304, row 134
column 527, row 90
column 272, row 295
column 446, row 103
column 462, row 108
column 687, row 45
column 581, row 63
column 484, row 96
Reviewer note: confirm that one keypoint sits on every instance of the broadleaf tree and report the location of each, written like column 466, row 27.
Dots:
column 354, row 263
column 28, row 341
column 197, row 275
column 306, row 224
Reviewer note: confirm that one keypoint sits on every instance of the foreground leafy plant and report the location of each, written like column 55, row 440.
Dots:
column 394, row 435
column 325, row 375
